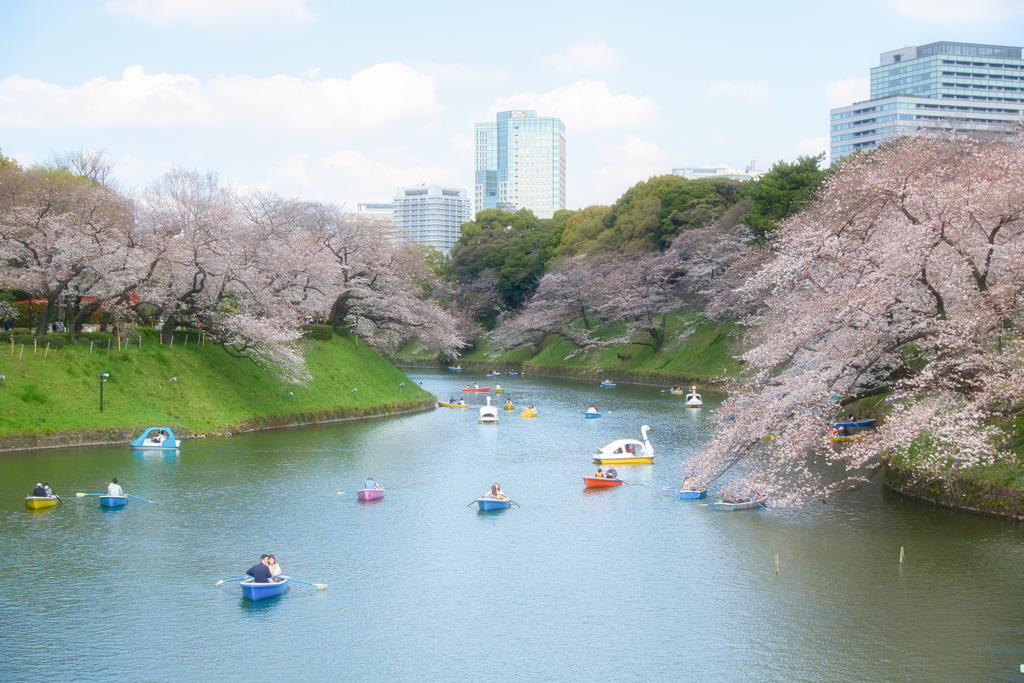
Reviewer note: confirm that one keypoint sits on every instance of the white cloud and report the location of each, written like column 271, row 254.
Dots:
column 596, row 56
column 975, row 11
column 806, row 147
column 846, row 91
column 375, row 97
column 584, row 107
column 633, row 150
column 751, row 93
column 348, row 176
column 232, row 15
column 455, row 72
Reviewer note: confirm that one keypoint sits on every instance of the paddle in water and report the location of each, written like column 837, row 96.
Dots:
column 223, row 581
column 318, row 586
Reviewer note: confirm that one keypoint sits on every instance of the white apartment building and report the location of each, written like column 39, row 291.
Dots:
column 431, row 215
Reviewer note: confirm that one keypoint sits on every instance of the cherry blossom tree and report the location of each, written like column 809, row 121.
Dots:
column 904, row 276
column 61, row 236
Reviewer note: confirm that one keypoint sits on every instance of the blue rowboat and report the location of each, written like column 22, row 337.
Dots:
column 113, row 501
column 455, row 369
column 608, row 385
column 856, row 424
column 513, row 373
column 693, row 494
column 591, row 416
column 261, row 591
column 488, row 504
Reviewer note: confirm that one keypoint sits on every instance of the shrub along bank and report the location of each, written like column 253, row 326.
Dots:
column 696, row 351
column 53, row 398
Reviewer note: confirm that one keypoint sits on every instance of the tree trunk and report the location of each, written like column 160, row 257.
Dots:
column 167, row 331
column 44, row 319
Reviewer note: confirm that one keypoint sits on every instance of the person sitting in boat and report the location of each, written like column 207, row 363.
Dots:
column 261, row 572
column 371, row 484
column 39, row 491
column 592, row 409
column 467, row 388
column 676, row 387
column 275, row 568
column 612, row 473
column 475, row 385
column 845, row 431
column 49, row 491
column 508, row 402
column 159, row 438
column 496, row 492
column 600, row 473
column 462, row 402
column 114, row 489
column 631, row 448
column 451, row 400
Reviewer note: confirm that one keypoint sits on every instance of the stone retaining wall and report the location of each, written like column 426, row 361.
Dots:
column 124, row 435
column 990, row 501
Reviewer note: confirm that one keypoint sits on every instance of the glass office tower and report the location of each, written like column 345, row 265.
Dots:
column 520, row 163
column 970, row 87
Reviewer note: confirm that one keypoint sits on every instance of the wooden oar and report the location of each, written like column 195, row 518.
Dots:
column 137, row 498
column 318, row 586
column 342, row 493
column 79, row 495
column 514, row 503
column 223, row 581
column 473, row 503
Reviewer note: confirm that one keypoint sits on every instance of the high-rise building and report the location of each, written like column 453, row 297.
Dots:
column 379, row 215
column 520, row 163
column 970, row 87
column 431, row 215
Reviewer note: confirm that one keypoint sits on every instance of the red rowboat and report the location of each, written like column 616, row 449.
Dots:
column 600, row 482
column 480, row 389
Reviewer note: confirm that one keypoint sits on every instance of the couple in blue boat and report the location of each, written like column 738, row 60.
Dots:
column 267, row 570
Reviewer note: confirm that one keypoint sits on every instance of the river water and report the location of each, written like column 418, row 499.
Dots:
column 623, row 584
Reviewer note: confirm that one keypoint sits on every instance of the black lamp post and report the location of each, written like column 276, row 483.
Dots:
column 173, row 380
column 400, row 385
column 103, row 379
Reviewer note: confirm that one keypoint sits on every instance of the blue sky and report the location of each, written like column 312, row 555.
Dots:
column 346, row 101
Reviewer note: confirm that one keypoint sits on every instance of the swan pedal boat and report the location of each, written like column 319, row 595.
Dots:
column 489, row 413
column 113, row 501
column 158, row 440
column 370, row 494
column 743, row 505
column 601, row 482
column 40, row 502
column 693, row 399
column 452, row 405
column 261, row 591
column 627, row 451
column 488, row 504
column 693, row 494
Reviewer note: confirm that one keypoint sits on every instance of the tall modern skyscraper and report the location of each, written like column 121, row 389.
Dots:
column 940, row 85
column 431, row 215
column 520, row 163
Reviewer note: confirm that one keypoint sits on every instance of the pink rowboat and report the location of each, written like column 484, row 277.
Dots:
column 370, row 494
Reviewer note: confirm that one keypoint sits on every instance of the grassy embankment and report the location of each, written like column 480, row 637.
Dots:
column 214, row 392
column 695, row 351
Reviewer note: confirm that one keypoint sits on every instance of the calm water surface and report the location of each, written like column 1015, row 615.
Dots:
column 625, row 584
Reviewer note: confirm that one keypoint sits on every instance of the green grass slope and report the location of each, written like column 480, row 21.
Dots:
column 214, row 392
column 696, row 350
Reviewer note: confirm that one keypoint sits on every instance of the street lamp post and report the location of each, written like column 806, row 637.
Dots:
column 103, row 379
column 400, row 385
column 173, row 380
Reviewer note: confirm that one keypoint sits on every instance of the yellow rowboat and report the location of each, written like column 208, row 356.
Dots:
column 499, row 391
column 771, row 435
column 528, row 413
column 40, row 502
column 510, row 407
column 452, row 405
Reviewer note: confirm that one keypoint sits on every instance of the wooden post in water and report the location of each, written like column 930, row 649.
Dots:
column 776, row 564
column 901, row 555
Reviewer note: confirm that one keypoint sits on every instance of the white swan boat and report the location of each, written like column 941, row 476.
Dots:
column 627, row 451
column 489, row 413
column 693, row 399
